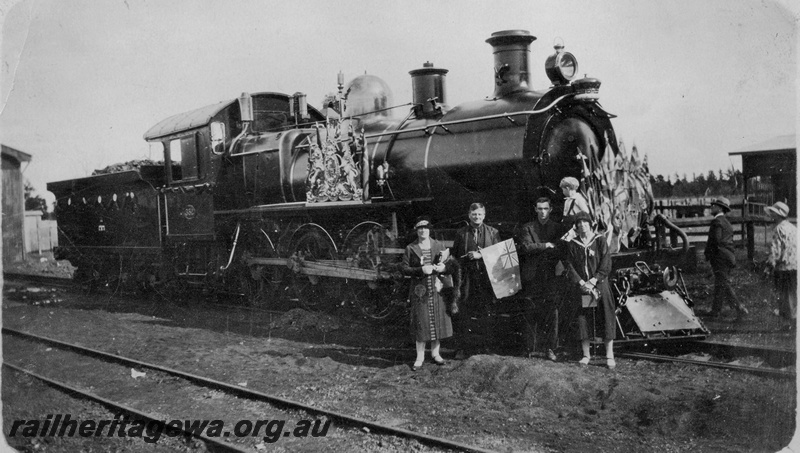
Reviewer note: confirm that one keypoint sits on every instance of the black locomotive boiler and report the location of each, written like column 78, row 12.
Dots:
column 266, row 192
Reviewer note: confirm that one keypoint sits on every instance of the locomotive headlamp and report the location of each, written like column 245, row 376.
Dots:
column 561, row 67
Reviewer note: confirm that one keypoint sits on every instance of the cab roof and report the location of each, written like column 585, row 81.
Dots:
column 186, row 121
column 194, row 119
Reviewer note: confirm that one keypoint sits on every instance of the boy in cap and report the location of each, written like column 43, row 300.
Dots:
column 782, row 261
column 719, row 252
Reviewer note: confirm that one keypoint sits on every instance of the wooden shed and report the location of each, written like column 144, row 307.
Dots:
column 13, row 205
column 770, row 175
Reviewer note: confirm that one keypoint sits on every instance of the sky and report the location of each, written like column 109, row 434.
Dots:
column 689, row 80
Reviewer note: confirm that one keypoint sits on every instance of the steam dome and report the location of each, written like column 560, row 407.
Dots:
column 368, row 93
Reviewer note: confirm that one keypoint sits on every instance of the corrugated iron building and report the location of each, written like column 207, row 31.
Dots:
column 13, row 208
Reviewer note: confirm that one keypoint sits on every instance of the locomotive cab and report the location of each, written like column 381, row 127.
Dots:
column 219, row 157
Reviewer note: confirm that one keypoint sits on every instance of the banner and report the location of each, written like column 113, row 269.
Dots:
column 502, row 265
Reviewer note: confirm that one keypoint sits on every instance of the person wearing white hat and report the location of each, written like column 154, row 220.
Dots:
column 782, row 261
column 719, row 252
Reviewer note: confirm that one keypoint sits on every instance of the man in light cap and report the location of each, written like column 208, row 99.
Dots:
column 719, row 252
column 782, row 261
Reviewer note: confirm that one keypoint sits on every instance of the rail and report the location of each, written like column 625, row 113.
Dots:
column 218, row 445
column 37, row 279
column 252, row 394
column 770, row 372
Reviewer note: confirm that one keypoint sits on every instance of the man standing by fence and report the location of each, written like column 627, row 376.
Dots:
column 719, row 252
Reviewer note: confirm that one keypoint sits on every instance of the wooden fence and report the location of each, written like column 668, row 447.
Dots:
column 744, row 231
column 681, row 208
column 40, row 235
column 693, row 216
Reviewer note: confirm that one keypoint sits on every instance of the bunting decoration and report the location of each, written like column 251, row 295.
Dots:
column 619, row 189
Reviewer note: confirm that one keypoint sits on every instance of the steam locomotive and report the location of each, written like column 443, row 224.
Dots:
column 266, row 192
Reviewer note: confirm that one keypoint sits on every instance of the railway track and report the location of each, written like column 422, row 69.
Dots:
column 341, row 420
column 242, row 314
column 211, row 442
column 40, row 280
column 774, row 362
column 35, row 279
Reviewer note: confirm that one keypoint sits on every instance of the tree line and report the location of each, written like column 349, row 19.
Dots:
column 719, row 183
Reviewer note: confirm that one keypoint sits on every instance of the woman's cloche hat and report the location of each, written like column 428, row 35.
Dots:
column 422, row 222
column 582, row 216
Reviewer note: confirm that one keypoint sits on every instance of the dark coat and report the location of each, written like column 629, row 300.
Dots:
column 584, row 262
column 719, row 247
column 428, row 308
column 488, row 236
column 473, row 275
column 538, row 263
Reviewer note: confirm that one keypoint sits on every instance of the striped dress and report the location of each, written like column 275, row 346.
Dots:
column 430, row 291
column 429, row 318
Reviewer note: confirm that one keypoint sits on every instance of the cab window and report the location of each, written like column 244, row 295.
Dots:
column 183, row 154
column 270, row 114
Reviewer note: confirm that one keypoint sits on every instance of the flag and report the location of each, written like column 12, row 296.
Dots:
column 502, row 265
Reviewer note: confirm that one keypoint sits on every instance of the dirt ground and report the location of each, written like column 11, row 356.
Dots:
column 497, row 400
column 42, row 264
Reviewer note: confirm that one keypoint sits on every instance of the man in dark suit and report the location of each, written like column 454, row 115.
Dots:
column 476, row 289
column 719, row 252
column 538, row 259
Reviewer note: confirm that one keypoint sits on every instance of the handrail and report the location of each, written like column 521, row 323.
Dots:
column 441, row 124
column 671, row 226
column 233, row 249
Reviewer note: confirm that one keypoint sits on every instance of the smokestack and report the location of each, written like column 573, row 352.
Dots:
column 428, row 85
column 511, row 49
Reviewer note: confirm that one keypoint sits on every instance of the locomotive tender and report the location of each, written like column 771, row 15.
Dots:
column 265, row 192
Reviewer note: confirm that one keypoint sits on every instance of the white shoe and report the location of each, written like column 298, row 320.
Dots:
column 584, row 360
